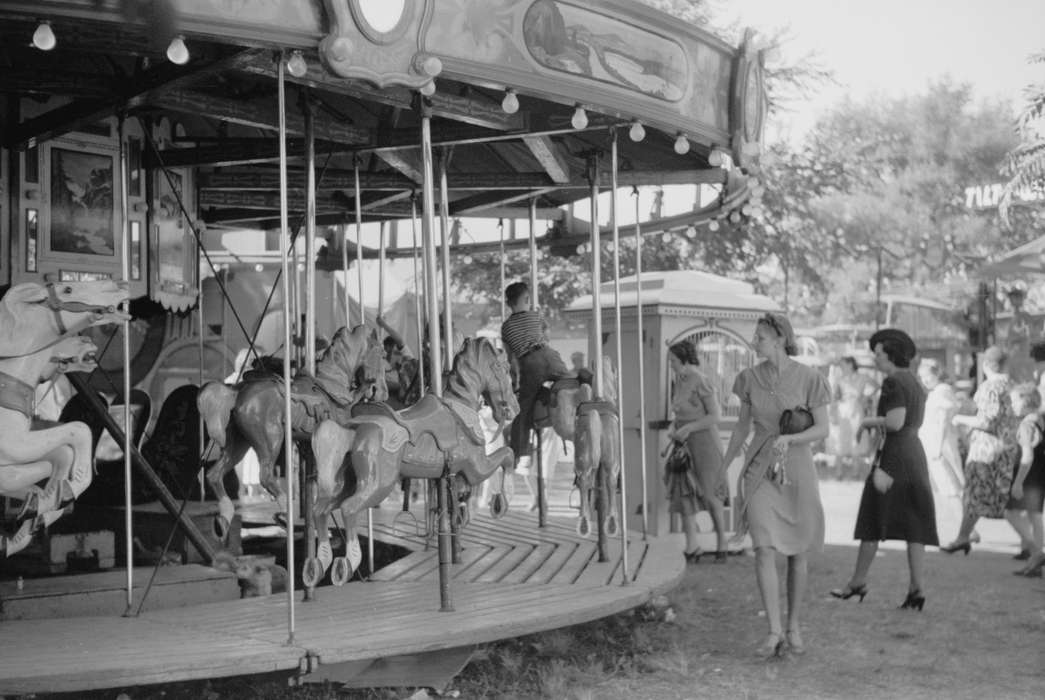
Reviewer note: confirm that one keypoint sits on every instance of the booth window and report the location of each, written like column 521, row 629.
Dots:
column 31, row 237
column 32, row 164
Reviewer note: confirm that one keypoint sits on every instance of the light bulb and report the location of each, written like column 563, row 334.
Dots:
column 296, row 64
column 580, row 118
column 735, row 217
column 580, row 249
column 636, row 133
column 715, row 157
column 682, row 145
column 691, row 231
column 467, row 260
column 510, row 103
column 44, row 38
column 177, row 51
column 428, row 89
column 713, row 225
column 746, row 210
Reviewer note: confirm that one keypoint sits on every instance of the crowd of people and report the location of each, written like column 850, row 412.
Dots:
column 924, row 448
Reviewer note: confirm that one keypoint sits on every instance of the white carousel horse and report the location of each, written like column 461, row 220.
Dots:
column 597, row 452
column 38, row 336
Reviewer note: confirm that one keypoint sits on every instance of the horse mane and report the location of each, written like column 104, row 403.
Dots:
column 464, row 379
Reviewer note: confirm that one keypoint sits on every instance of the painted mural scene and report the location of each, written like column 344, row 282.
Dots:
column 556, row 349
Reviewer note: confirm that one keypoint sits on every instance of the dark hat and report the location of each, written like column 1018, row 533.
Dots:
column 897, row 337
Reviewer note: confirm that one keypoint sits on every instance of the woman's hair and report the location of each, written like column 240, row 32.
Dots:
column 994, row 359
column 780, row 325
column 933, row 367
column 1029, row 397
column 851, row 361
column 896, row 351
column 686, row 352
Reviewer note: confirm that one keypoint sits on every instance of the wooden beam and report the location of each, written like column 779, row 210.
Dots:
column 237, row 151
column 343, row 180
column 258, row 115
column 543, row 213
column 488, row 200
column 472, row 109
column 161, row 79
column 266, row 200
column 547, row 154
column 406, row 162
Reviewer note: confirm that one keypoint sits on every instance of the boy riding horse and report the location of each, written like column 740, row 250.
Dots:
column 523, row 333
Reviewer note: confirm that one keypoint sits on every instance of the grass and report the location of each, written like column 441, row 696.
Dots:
column 982, row 635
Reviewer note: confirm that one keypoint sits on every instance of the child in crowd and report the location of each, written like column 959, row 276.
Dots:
column 1023, row 511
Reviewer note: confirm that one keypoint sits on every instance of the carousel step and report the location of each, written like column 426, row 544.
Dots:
column 105, row 593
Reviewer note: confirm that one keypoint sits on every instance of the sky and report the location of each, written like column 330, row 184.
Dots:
column 896, row 47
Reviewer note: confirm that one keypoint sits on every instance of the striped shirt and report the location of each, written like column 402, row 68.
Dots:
column 522, row 331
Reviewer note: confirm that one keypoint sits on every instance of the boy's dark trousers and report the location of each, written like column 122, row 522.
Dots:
column 535, row 368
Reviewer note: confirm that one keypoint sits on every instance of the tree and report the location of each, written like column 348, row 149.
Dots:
column 1025, row 164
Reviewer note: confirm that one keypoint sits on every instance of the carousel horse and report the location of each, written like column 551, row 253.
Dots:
column 358, row 463
column 250, row 414
column 597, row 452
column 39, row 327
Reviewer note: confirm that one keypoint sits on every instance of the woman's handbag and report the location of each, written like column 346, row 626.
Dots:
column 881, row 480
column 678, row 461
column 796, row 420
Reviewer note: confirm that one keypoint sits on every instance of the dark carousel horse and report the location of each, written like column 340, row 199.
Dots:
column 358, row 463
column 250, row 414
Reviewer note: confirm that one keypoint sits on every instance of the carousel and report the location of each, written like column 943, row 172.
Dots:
column 133, row 136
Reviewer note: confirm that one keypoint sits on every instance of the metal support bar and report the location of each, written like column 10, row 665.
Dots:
column 310, row 315
column 642, row 366
column 128, row 434
column 619, row 358
column 444, row 217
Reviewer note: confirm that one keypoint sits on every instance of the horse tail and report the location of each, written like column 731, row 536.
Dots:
column 332, row 447
column 215, row 403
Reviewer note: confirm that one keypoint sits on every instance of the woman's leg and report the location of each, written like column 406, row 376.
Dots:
column 1020, row 523
column 968, row 524
column 768, row 586
column 1036, row 531
column 864, row 558
column 797, row 575
column 709, row 475
column 915, row 558
column 689, row 526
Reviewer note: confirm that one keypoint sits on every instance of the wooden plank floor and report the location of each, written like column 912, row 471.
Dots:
column 513, row 579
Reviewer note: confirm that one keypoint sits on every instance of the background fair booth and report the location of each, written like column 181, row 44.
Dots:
column 716, row 313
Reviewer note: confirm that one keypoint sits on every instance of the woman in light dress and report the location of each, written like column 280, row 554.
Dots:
column 939, row 438
column 851, row 392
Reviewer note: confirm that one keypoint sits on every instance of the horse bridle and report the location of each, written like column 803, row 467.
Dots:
column 57, row 306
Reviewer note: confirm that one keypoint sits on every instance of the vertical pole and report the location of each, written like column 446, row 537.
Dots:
column 125, row 250
column 504, row 281
column 284, row 245
column 542, row 505
column 435, row 349
column 200, row 476
column 642, row 365
column 359, row 241
column 596, row 272
column 344, row 272
column 381, row 271
column 418, row 312
column 619, row 357
column 444, row 215
column 310, row 314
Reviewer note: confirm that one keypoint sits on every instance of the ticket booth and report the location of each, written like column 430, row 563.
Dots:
column 716, row 313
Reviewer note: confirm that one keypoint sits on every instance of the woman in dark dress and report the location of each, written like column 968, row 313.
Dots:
column 903, row 509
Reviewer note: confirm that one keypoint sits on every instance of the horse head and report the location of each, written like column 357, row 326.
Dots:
column 76, row 353
column 480, row 369
column 354, row 361
column 65, row 306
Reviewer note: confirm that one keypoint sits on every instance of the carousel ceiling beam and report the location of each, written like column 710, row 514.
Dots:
column 238, row 151
column 489, row 200
column 259, row 116
column 543, row 213
column 476, row 110
column 547, row 154
column 390, row 199
column 344, row 180
column 266, row 200
column 160, row 80
column 44, row 81
column 406, row 162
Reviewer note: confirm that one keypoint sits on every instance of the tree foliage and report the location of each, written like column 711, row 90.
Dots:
column 1025, row 164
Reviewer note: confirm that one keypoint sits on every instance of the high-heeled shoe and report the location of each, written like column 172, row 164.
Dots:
column 1033, row 569
column 721, row 556
column 772, row 647
column 694, row 556
column 1023, row 555
column 794, row 642
column 914, row 601
column 965, row 546
column 849, row 591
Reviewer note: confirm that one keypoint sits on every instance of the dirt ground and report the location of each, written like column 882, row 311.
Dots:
column 981, row 635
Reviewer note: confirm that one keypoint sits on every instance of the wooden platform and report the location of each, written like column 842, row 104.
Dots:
column 513, row 579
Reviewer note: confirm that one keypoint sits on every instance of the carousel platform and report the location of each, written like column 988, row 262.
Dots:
column 513, row 579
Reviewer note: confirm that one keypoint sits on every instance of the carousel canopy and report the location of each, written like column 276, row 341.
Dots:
column 521, row 93
column 681, row 288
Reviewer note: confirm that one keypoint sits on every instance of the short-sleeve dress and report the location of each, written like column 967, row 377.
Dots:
column 787, row 517
column 691, row 396
column 1031, row 430
column 906, row 511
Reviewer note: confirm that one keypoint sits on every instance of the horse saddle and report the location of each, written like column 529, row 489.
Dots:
column 548, row 399
column 438, row 418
